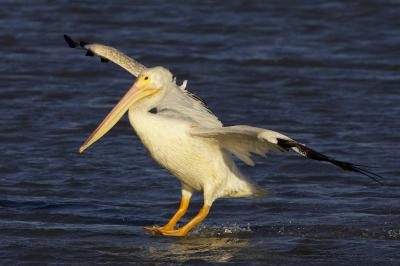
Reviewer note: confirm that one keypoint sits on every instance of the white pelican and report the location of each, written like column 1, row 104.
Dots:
column 188, row 139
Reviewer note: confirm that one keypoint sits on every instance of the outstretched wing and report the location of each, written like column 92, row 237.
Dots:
column 107, row 53
column 244, row 140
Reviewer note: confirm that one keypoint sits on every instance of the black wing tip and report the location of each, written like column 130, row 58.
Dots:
column 311, row 154
column 83, row 43
column 362, row 170
column 285, row 144
column 71, row 43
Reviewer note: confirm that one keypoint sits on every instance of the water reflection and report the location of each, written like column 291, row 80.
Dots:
column 208, row 243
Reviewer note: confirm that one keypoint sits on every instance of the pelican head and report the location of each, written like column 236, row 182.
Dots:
column 148, row 90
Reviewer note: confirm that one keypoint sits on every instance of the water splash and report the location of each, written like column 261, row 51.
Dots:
column 223, row 230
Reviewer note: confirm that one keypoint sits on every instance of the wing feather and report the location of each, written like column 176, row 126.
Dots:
column 244, row 140
column 107, row 53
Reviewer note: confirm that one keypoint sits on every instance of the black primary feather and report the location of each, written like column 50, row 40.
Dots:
column 82, row 44
column 89, row 53
column 311, row 154
column 71, row 43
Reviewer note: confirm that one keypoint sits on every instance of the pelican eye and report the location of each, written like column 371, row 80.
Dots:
column 146, row 78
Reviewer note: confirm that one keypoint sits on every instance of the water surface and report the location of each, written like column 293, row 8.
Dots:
column 326, row 73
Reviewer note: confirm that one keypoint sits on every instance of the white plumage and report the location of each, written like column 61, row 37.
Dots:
column 187, row 139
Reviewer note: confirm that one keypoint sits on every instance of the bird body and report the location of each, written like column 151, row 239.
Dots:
column 199, row 163
column 187, row 139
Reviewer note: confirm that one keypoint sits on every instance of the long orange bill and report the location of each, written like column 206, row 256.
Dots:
column 133, row 95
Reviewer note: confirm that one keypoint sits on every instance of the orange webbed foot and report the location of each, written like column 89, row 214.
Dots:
column 154, row 230
column 178, row 233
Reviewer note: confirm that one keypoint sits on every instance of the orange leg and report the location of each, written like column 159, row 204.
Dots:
column 172, row 222
column 184, row 230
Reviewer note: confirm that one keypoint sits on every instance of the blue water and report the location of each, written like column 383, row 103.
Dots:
column 326, row 73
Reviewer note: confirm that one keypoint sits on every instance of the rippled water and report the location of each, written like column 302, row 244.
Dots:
column 326, row 73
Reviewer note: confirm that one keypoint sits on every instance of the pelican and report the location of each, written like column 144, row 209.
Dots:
column 188, row 140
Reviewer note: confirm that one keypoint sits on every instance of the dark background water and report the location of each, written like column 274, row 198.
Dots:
column 324, row 72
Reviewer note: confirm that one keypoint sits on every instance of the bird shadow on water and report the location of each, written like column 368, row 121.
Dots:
column 207, row 243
